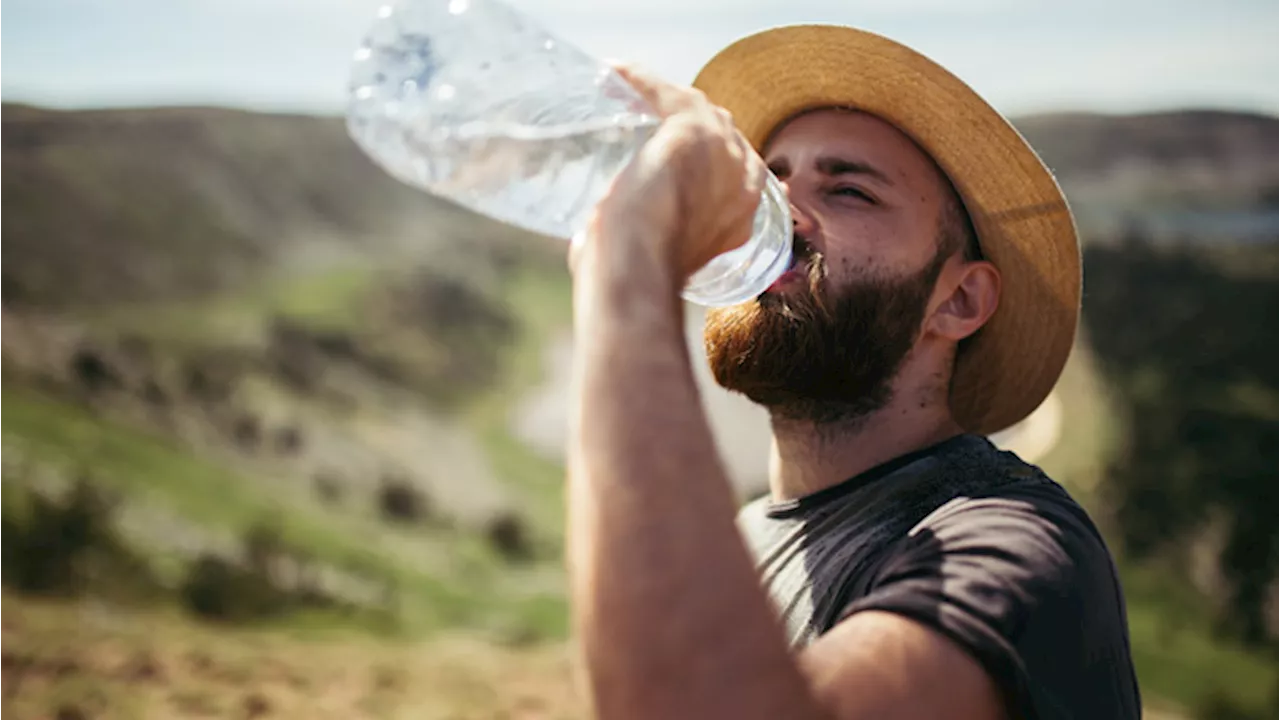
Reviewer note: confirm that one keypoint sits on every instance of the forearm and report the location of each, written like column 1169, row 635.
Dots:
column 666, row 600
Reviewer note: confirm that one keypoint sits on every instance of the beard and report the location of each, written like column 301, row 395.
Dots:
column 816, row 355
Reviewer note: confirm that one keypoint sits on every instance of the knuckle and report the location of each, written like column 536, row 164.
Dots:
column 683, row 99
column 694, row 132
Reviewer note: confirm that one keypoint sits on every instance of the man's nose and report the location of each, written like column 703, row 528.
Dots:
column 803, row 222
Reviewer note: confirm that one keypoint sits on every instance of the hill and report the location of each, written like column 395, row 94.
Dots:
column 258, row 348
column 128, row 205
column 138, row 204
column 1199, row 175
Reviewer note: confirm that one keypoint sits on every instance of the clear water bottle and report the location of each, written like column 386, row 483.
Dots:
column 472, row 101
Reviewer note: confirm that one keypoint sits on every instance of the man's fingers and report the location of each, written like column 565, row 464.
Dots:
column 646, row 84
column 757, row 171
column 665, row 98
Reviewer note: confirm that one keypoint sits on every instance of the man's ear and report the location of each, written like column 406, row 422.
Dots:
column 972, row 295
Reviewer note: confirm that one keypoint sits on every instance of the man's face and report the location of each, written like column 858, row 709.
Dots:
column 825, row 342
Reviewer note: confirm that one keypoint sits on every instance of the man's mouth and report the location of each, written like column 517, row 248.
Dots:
column 798, row 272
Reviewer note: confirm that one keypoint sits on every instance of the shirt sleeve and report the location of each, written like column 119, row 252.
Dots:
column 1021, row 582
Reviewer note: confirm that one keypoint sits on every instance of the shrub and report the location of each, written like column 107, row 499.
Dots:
column 220, row 589
column 61, row 545
column 399, row 500
column 509, row 534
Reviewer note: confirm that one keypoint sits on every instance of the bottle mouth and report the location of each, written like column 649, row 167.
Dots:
column 749, row 271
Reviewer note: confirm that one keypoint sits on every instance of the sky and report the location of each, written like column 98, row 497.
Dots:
column 1024, row 56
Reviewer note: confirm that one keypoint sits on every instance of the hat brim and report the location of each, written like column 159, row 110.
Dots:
column 1021, row 217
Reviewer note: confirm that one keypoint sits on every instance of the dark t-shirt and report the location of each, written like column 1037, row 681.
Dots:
column 979, row 546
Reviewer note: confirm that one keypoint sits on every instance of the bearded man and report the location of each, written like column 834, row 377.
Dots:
column 901, row 566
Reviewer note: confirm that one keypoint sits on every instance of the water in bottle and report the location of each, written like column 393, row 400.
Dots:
column 472, row 101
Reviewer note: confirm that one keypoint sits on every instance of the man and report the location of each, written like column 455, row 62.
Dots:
column 909, row 569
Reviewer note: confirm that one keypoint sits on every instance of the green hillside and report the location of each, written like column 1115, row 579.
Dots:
column 238, row 326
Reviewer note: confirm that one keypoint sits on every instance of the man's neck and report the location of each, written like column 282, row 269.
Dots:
column 808, row 456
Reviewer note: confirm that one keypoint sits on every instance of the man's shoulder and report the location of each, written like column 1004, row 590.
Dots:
column 974, row 462
column 974, row 502
column 1013, row 569
column 1000, row 497
column 993, row 481
column 961, row 470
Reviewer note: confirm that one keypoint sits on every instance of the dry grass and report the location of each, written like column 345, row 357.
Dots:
column 77, row 660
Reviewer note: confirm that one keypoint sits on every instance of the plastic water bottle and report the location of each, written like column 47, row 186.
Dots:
column 473, row 101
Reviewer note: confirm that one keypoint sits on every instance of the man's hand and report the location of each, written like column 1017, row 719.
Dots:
column 692, row 191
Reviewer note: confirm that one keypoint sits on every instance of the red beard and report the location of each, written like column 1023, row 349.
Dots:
column 808, row 356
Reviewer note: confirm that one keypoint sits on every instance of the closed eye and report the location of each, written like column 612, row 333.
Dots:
column 854, row 192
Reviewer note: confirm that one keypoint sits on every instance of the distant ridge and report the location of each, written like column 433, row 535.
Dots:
column 132, row 204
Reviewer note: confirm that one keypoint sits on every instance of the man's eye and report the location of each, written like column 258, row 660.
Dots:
column 850, row 191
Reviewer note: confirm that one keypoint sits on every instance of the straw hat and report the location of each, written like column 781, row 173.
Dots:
column 1021, row 217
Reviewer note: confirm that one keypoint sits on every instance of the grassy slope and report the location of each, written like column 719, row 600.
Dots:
column 299, row 668
column 325, row 299
column 478, row 590
column 214, row 498
column 544, row 302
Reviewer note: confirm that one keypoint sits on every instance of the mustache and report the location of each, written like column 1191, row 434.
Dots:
column 803, row 251
column 816, row 272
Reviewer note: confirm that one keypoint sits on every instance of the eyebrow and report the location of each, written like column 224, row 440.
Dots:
column 833, row 166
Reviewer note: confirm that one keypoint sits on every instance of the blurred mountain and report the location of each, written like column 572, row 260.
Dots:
column 1199, row 174
column 136, row 204
column 132, row 204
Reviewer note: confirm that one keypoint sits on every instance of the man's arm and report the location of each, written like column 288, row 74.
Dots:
column 665, row 597
column 883, row 665
column 666, row 601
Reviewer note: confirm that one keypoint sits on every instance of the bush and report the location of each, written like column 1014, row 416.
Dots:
column 219, row 589
column 62, row 545
column 1220, row 706
column 288, row 440
column 91, row 371
column 508, row 533
column 247, row 432
column 399, row 500
column 254, row 586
